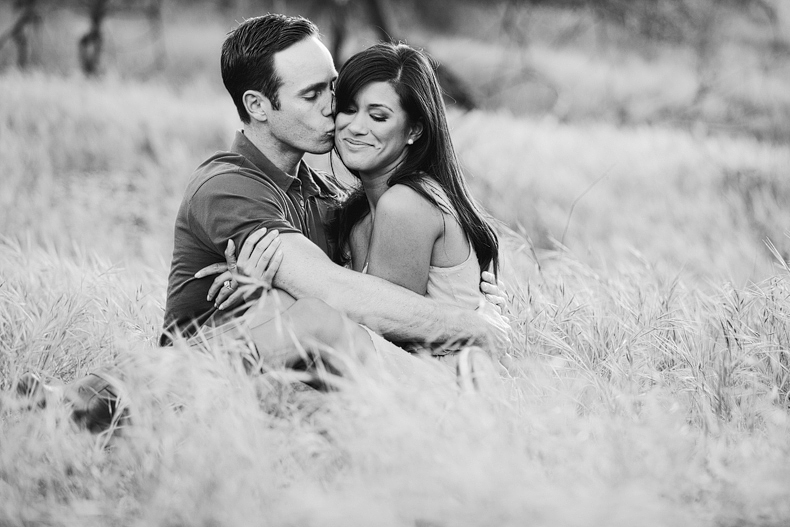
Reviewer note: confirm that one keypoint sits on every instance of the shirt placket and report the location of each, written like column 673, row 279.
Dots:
column 301, row 206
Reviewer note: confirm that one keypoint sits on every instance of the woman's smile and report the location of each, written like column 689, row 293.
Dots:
column 372, row 132
column 356, row 144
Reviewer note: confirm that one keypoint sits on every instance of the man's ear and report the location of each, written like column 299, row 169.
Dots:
column 257, row 105
column 416, row 131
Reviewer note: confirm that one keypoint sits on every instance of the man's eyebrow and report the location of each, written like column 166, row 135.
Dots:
column 313, row 87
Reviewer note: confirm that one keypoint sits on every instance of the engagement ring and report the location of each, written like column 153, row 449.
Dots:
column 228, row 284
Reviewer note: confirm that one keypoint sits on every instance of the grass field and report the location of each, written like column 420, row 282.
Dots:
column 648, row 383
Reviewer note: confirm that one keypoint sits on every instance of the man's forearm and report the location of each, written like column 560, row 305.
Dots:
column 392, row 311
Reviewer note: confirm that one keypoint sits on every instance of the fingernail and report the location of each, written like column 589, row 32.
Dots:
column 223, row 306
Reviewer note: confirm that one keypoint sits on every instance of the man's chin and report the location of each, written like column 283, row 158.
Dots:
column 322, row 148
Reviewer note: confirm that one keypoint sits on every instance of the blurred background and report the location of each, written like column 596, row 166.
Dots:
column 654, row 131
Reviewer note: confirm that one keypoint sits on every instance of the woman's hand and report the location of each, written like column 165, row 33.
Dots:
column 494, row 290
column 259, row 260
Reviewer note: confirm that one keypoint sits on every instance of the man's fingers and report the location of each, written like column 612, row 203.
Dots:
column 498, row 301
column 212, row 269
column 250, row 243
column 489, row 288
column 218, row 284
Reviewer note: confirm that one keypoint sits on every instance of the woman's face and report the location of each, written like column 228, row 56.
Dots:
column 371, row 135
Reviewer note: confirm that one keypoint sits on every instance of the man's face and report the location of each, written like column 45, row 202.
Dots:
column 304, row 121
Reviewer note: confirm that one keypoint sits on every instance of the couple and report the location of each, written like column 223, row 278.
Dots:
column 410, row 242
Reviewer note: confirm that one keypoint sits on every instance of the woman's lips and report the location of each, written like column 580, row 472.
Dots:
column 353, row 143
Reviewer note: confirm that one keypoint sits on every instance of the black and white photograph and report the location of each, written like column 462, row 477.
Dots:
column 395, row 263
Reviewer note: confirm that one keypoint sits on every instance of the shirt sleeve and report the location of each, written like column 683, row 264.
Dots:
column 233, row 205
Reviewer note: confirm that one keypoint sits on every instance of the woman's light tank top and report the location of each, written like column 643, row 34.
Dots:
column 458, row 285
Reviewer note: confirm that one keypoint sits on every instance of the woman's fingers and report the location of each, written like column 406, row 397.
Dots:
column 266, row 257
column 255, row 265
column 274, row 265
column 249, row 244
column 230, row 255
column 218, row 284
column 233, row 299
column 212, row 269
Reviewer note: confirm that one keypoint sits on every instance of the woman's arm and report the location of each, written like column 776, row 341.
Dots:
column 405, row 229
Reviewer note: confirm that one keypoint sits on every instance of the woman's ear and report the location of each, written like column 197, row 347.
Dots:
column 257, row 105
column 415, row 133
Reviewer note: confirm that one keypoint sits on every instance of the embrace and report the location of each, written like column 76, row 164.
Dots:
column 401, row 255
column 397, row 258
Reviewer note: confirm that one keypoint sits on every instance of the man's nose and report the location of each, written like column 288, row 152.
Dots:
column 329, row 106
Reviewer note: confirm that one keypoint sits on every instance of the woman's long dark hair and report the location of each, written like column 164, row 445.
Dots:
column 413, row 76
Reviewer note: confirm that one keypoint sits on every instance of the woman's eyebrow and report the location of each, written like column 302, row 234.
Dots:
column 379, row 105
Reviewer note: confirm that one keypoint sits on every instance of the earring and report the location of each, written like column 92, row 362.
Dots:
column 410, row 142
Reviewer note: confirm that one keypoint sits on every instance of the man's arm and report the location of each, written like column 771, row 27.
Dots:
column 390, row 310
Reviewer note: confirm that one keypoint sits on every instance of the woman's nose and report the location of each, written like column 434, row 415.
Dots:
column 357, row 124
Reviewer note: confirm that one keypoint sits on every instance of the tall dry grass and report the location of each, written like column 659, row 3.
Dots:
column 648, row 384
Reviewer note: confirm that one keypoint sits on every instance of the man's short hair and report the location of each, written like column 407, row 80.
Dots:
column 247, row 61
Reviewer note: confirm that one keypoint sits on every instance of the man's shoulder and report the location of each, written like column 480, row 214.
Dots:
column 223, row 170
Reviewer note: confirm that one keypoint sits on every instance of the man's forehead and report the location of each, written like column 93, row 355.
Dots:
column 306, row 62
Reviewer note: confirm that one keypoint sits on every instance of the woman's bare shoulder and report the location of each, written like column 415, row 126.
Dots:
column 405, row 199
column 404, row 205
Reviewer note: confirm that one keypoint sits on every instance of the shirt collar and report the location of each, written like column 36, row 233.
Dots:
column 243, row 146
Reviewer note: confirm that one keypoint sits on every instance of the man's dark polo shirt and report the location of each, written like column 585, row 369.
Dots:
column 229, row 196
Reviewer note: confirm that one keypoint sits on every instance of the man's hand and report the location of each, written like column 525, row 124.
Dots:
column 494, row 290
column 259, row 260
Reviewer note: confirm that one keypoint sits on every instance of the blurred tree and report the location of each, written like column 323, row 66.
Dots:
column 381, row 22
column 90, row 45
column 32, row 12
column 22, row 31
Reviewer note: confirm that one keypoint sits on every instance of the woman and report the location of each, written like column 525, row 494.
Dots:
column 412, row 222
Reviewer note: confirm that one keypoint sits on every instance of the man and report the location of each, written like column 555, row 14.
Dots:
column 281, row 77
